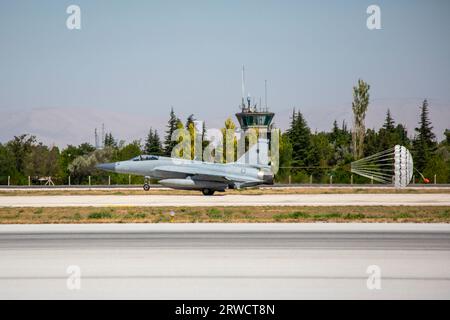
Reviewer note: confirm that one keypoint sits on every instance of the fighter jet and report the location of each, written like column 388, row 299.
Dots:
column 250, row 170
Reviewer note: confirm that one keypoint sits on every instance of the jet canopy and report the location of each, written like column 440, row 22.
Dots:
column 145, row 158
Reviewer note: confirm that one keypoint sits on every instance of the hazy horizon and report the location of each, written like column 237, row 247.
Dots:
column 131, row 61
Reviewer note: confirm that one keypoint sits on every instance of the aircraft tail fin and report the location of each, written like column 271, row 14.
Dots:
column 257, row 155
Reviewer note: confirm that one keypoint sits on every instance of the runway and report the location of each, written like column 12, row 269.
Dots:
column 225, row 261
column 227, row 200
column 120, row 187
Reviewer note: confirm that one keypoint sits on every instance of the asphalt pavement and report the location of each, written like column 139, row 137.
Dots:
column 225, row 261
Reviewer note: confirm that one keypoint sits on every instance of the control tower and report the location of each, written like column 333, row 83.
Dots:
column 253, row 115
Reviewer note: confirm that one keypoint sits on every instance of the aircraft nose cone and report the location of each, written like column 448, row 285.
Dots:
column 106, row 166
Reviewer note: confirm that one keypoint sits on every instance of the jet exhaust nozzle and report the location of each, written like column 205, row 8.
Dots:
column 266, row 177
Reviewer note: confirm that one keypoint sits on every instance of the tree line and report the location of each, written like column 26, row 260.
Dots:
column 302, row 153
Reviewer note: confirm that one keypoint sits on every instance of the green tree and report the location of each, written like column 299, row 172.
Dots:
column 153, row 143
column 43, row 162
column 205, row 141
column 285, row 158
column 171, row 127
column 437, row 165
column 190, row 121
column 227, row 135
column 110, row 141
column 402, row 135
column 340, row 139
column 447, row 136
column 389, row 123
column 128, row 151
column 371, row 142
column 425, row 141
column 69, row 154
column 190, row 126
column 182, row 143
column 387, row 133
column 21, row 147
column 7, row 165
column 360, row 105
column 299, row 136
column 84, row 166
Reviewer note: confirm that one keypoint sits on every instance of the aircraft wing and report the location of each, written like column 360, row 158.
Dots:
column 203, row 174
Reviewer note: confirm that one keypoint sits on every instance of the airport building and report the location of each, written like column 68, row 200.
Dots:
column 252, row 115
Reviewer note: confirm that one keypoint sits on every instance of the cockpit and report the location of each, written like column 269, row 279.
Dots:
column 145, row 158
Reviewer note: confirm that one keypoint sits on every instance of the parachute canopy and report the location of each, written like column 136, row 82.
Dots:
column 394, row 165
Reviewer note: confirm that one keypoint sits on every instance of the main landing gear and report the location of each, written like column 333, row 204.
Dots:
column 208, row 192
column 146, row 184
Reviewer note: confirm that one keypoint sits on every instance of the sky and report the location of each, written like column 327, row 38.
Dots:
column 132, row 60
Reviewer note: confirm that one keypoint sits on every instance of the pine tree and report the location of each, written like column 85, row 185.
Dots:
column 402, row 135
column 153, row 143
column 157, row 144
column 110, row 141
column 387, row 134
column 171, row 127
column 190, row 126
column 425, row 140
column 293, row 120
column 334, row 132
column 300, row 138
column 190, row 120
column 205, row 141
column 389, row 123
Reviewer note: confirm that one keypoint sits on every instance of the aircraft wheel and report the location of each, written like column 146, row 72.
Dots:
column 146, row 187
column 208, row 192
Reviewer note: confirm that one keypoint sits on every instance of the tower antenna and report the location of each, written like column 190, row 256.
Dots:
column 96, row 138
column 243, row 86
column 103, row 135
column 265, row 93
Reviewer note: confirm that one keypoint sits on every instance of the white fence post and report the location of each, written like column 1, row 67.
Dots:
column 9, row 180
column 29, row 181
column 89, row 180
column 69, row 180
column 109, row 180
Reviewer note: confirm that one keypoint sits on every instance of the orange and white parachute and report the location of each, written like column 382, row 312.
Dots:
column 394, row 166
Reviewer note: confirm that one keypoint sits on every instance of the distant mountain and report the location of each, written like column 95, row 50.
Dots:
column 62, row 126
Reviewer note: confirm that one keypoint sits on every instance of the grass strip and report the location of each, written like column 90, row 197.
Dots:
column 295, row 214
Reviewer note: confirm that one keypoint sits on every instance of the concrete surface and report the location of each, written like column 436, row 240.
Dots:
column 228, row 200
column 225, row 261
